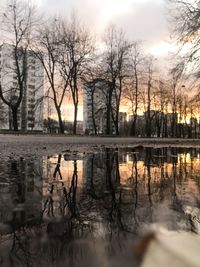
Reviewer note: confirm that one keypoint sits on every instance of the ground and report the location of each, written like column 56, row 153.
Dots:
column 32, row 146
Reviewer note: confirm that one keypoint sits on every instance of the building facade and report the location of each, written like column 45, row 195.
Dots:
column 95, row 115
column 30, row 111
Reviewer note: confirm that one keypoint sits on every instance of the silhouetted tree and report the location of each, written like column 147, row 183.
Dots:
column 116, row 65
column 49, row 52
column 186, row 26
column 77, row 48
column 18, row 23
column 132, row 90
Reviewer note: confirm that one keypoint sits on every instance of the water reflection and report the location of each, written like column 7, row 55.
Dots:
column 87, row 209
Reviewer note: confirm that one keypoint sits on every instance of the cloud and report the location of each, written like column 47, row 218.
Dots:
column 147, row 22
column 141, row 19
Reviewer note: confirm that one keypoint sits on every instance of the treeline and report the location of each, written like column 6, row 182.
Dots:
column 162, row 126
column 70, row 57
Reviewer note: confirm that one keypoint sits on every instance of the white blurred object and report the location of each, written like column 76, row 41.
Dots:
column 173, row 250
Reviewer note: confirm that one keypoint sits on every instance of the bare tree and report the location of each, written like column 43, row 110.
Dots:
column 116, row 65
column 176, row 74
column 77, row 47
column 161, row 105
column 49, row 50
column 132, row 91
column 148, row 115
column 93, row 83
column 18, row 23
column 186, row 26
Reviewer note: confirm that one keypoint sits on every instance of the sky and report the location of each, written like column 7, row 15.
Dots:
column 144, row 20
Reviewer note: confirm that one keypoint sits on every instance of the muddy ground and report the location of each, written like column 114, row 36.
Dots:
column 33, row 146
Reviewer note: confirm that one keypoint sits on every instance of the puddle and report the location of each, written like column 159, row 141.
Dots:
column 87, row 209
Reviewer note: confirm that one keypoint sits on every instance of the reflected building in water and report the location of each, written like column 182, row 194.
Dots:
column 100, row 196
column 20, row 192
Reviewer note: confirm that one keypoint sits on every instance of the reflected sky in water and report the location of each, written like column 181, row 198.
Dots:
column 88, row 209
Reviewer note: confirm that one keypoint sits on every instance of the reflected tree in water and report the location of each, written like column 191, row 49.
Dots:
column 109, row 205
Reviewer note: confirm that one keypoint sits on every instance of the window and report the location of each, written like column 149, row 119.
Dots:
column 31, row 119
column 31, row 86
column 30, row 113
column 32, row 80
column 31, row 106
column 31, row 125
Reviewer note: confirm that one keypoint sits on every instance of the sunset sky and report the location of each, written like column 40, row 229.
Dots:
column 143, row 20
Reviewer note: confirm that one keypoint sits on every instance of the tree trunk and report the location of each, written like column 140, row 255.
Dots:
column 148, row 121
column 165, row 132
column 174, row 120
column 14, row 117
column 108, row 119
column 23, row 88
column 133, row 126
column 75, row 118
column 118, row 99
column 148, row 127
column 61, row 125
column 108, row 112
column 116, row 123
column 93, row 114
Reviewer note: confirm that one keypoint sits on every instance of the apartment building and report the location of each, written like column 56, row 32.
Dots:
column 30, row 112
column 95, row 97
